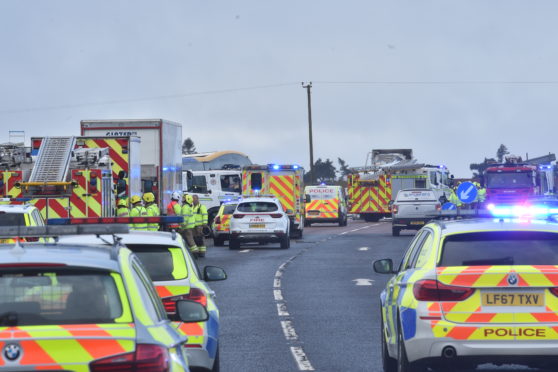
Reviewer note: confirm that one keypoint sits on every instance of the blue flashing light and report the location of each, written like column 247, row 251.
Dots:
column 323, row 184
column 527, row 211
column 295, row 167
column 275, row 167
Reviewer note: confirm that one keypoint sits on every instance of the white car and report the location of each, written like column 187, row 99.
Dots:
column 259, row 219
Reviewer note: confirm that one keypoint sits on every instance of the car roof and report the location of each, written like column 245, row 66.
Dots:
column 259, row 198
column 133, row 237
column 16, row 208
column 84, row 255
column 494, row 224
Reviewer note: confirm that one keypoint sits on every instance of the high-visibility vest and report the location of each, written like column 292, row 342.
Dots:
column 174, row 209
column 122, row 212
column 138, row 211
column 454, row 199
column 186, row 212
column 481, row 195
column 200, row 213
column 153, row 211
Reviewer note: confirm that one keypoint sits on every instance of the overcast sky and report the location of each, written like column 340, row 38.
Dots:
column 450, row 79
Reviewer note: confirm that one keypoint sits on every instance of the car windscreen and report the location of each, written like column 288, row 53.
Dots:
column 257, row 207
column 229, row 208
column 12, row 219
column 415, row 195
column 509, row 180
column 500, row 248
column 61, row 296
column 161, row 262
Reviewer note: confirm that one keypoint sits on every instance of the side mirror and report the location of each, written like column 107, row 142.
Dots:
column 384, row 266
column 213, row 274
column 191, row 312
column 307, row 199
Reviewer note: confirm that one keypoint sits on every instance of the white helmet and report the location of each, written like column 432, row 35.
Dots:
column 175, row 196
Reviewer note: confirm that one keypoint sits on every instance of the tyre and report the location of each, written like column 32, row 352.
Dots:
column 403, row 364
column 234, row 243
column 297, row 234
column 395, row 231
column 218, row 241
column 216, row 364
column 372, row 217
column 285, row 242
column 389, row 364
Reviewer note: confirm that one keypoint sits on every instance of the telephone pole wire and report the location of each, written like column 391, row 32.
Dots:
column 308, row 88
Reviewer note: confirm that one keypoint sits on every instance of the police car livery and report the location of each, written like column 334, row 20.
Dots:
column 472, row 291
column 259, row 219
column 83, row 307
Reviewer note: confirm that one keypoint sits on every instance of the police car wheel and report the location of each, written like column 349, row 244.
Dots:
column 216, row 364
column 389, row 364
column 403, row 364
column 285, row 242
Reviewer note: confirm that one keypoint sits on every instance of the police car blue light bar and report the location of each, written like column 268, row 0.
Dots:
column 164, row 220
column 535, row 211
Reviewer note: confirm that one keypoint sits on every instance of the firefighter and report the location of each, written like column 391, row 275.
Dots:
column 188, row 225
column 122, row 208
column 481, row 194
column 454, row 199
column 138, row 210
column 200, row 214
column 174, row 208
column 152, row 210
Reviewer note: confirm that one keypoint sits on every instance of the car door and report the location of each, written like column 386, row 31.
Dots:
column 397, row 286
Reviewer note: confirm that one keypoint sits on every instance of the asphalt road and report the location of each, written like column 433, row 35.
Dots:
column 314, row 306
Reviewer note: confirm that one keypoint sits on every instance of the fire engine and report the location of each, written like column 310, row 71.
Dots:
column 373, row 187
column 282, row 181
column 62, row 182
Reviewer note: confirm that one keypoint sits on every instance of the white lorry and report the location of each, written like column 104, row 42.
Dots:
column 160, row 151
column 213, row 187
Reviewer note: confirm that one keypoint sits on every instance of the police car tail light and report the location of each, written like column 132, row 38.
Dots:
column 148, row 358
column 433, row 290
column 197, row 295
column 238, row 215
column 276, row 215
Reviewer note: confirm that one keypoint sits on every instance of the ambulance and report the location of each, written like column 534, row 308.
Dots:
column 327, row 204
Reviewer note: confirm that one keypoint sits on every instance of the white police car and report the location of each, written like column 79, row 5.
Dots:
column 259, row 219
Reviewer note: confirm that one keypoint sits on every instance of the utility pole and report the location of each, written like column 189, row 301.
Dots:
column 308, row 88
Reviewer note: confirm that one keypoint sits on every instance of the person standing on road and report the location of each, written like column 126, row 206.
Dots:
column 122, row 208
column 138, row 210
column 189, row 224
column 200, row 213
column 152, row 210
column 174, row 209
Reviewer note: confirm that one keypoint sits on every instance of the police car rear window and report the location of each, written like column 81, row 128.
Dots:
column 52, row 297
column 257, row 207
column 229, row 208
column 498, row 248
column 418, row 195
column 161, row 262
column 12, row 219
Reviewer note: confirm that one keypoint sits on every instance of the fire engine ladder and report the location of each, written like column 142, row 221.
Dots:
column 53, row 160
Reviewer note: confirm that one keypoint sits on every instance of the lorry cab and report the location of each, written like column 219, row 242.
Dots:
column 327, row 204
column 282, row 181
column 213, row 187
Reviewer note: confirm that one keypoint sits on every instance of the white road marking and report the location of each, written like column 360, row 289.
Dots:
column 301, row 359
column 343, row 233
column 244, row 251
column 277, row 283
column 278, row 295
column 363, row 281
column 288, row 330
column 363, row 248
column 282, row 310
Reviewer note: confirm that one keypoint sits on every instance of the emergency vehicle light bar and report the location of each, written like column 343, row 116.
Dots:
column 272, row 167
column 115, row 220
column 15, row 199
column 534, row 211
column 52, row 231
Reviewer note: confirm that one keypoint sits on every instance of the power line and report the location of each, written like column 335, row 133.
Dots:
column 439, row 82
column 153, row 98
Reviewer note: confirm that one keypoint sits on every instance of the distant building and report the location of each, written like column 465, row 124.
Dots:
column 215, row 160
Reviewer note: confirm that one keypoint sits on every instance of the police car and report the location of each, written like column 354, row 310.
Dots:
column 259, row 219
column 82, row 307
column 20, row 215
column 473, row 291
column 222, row 223
column 176, row 276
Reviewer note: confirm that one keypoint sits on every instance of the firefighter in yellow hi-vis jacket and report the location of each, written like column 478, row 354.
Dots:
column 188, row 225
column 152, row 210
column 200, row 214
column 138, row 210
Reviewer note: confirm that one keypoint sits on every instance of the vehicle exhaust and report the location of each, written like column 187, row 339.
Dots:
column 449, row 352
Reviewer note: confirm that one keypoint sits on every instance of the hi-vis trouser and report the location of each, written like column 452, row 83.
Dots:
column 188, row 228
column 200, row 214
